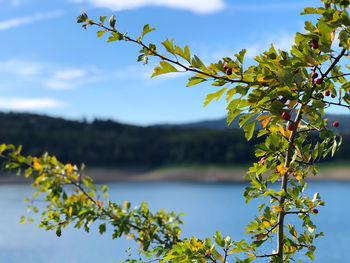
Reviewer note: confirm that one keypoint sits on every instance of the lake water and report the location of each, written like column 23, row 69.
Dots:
column 208, row 207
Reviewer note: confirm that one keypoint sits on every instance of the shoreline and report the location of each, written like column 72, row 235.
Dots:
column 209, row 175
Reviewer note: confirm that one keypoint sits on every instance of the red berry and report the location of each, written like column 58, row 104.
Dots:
column 294, row 174
column 262, row 160
column 286, row 116
column 314, row 75
column 229, row 71
column 315, row 211
column 283, row 100
column 225, row 67
column 291, row 126
column 327, row 93
column 335, row 124
column 333, row 96
column 319, row 81
column 314, row 43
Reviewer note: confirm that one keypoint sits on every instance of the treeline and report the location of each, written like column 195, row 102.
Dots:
column 108, row 143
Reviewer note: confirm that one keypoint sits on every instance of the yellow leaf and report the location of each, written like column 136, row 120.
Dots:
column 231, row 251
column 261, row 79
column 130, row 236
column 250, row 254
column 69, row 168
column 316, row 30
column 276, row 208
column 101, row 207
column 262, row 117
column 221, row 258
column 280, row 128
column 266, row 223
column 261, row 217
column 40, row 178
column 281, row 169
column 178, row 233
column 36, row 164
column 70, row 211
column 265, row 122
column 125, row 204
column 347, row 66
column 295, row 235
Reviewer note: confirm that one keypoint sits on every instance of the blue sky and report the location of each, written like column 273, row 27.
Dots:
column 50, row 65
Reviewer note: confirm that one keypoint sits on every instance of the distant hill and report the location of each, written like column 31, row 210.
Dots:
column 108, row 143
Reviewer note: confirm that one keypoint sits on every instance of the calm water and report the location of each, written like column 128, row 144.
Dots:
column 208, row 207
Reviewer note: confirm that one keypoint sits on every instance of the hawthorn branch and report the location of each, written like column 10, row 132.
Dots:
column 77, row 184
column 296, row 212
column 175, row 62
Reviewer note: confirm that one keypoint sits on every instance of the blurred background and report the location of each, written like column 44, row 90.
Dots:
column 65, row 91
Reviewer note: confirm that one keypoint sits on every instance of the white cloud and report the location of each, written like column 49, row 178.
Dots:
column 266, row 7
column 20, row 104
column 70, row 78
column 283, row 40
column 48, row 75
column 196, row 6
column 19, row 21
column 70, row 74
column 20, row 67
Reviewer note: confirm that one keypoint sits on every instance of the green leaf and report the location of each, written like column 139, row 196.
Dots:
column 82, row 18
column 285, row 76
column 197, row 63
column 102, row 19
column 249, row 129
column 195, row 80
column 169, row 46
column 164, row 68
column 146, row 30
column 346, row 98
column 112, row 21
column 102, row 228
column 184, row 54
column 100, row 33
column 216, row 95
column 240, row 55
column 58, row 232
column 115, row 37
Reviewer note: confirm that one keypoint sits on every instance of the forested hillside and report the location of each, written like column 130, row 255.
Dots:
column 108, row 143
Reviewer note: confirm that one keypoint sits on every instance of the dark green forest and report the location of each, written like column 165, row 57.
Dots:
column 111, row 144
